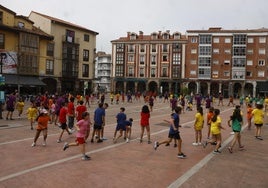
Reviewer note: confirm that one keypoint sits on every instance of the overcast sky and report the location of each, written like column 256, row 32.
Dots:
column 114, row 18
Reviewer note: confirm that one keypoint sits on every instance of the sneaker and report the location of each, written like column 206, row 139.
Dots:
column 241, row 148
column 99, row 141
column 175, row 145
column 65, row 146
column 127, row 140
column 195, row 144
column 59, row 125
column 205, row 144
column 231, row 133
column 86, row 158
column 216, row 152
column 103, row 138
column 149, row 142
column 33, row 144
column 92, row 141
column 199, row 143
column 44, row 143
column 167, row 144
column 96, row 136
column 259, row 137
column 230, row 149
column 181, row 156
column 31, row 128
column 59, row 141
column 156, row 145
column 140, row 140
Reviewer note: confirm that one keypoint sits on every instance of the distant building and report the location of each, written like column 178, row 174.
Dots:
column 103, row 70
column 23, row 49
column 153, row 63
column 231, row 62
column 73, row 49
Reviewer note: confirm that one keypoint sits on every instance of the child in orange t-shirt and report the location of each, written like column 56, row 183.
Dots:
column 42, row 120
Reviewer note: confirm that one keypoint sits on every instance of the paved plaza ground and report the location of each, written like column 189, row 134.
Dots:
column 132, row 164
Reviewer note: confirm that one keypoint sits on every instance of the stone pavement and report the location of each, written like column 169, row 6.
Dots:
column 131, row 164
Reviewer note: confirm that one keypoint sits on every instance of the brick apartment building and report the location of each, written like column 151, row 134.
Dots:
column 213, row 61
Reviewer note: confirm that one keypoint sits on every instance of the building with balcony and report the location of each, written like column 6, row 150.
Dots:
column 231, row 62
column 23, row 49
column 103, row 69
column 73, row 49
column 152, row 62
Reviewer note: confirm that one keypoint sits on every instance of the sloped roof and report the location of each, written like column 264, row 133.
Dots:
column 62, row 22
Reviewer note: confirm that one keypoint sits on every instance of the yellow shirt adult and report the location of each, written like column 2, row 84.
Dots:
column 215, row 126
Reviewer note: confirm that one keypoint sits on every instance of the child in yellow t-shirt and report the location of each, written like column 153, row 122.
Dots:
column 32, row 113
column 20, row 106
column 198, row 126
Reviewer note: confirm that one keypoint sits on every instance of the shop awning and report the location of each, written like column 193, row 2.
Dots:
column 23, row 80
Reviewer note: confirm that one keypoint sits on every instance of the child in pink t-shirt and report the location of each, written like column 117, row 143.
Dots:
column 82, row 127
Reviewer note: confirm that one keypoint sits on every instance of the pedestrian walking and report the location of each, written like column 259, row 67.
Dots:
column 128, row 129
column 71, row 114
column 99, row 118
column 42, row 121
column 210, row 114
column 82, row 127
column 32, row 113
column 20, row 106
column 10, row 106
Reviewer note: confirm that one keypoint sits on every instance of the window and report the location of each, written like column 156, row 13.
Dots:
column 176, row 59
column 204, row 50
column 131, row 48
column 1, row 17
column 250, row 40
column 215, row 62
column 164, row 58
column 175, row 71
column 249, row 62
column 130, row 71
column 130, row 58
column 154, row 36
column 164, row 72
column 119, row 70
column 261, row 51
column 194, row 40
column 142, row 59
column 85, row 70
column 216, row 40
column 227, row 40
column 165, row 36
column 193, row 62
column 192, row 72
column 153, row 48
column 215, row 74
column 119, row 47
column 250, row 51
column 226, row 62
column 2, row 41
column 239, row 51
column 205, row 39
column 142, row 72
column 85, row 55
column 21, row 25
column 204, row 73
column 260, row 73
column 193, row 51
column 227, row 51
column 165, row 48
column 153, row 60
column 238, row 74
column 142, row 48
column 240, row 39
column 204, row 61
column 132, row 36
column 153, row 72
column 262, row 40
column 261, row 63
column 176, row 47
column 50, row 49
column 49, row 67
column 226, row 73
column 249, row 74
column 216, row 50
column 70, row 36
column 86, row 37
column 239, row 62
